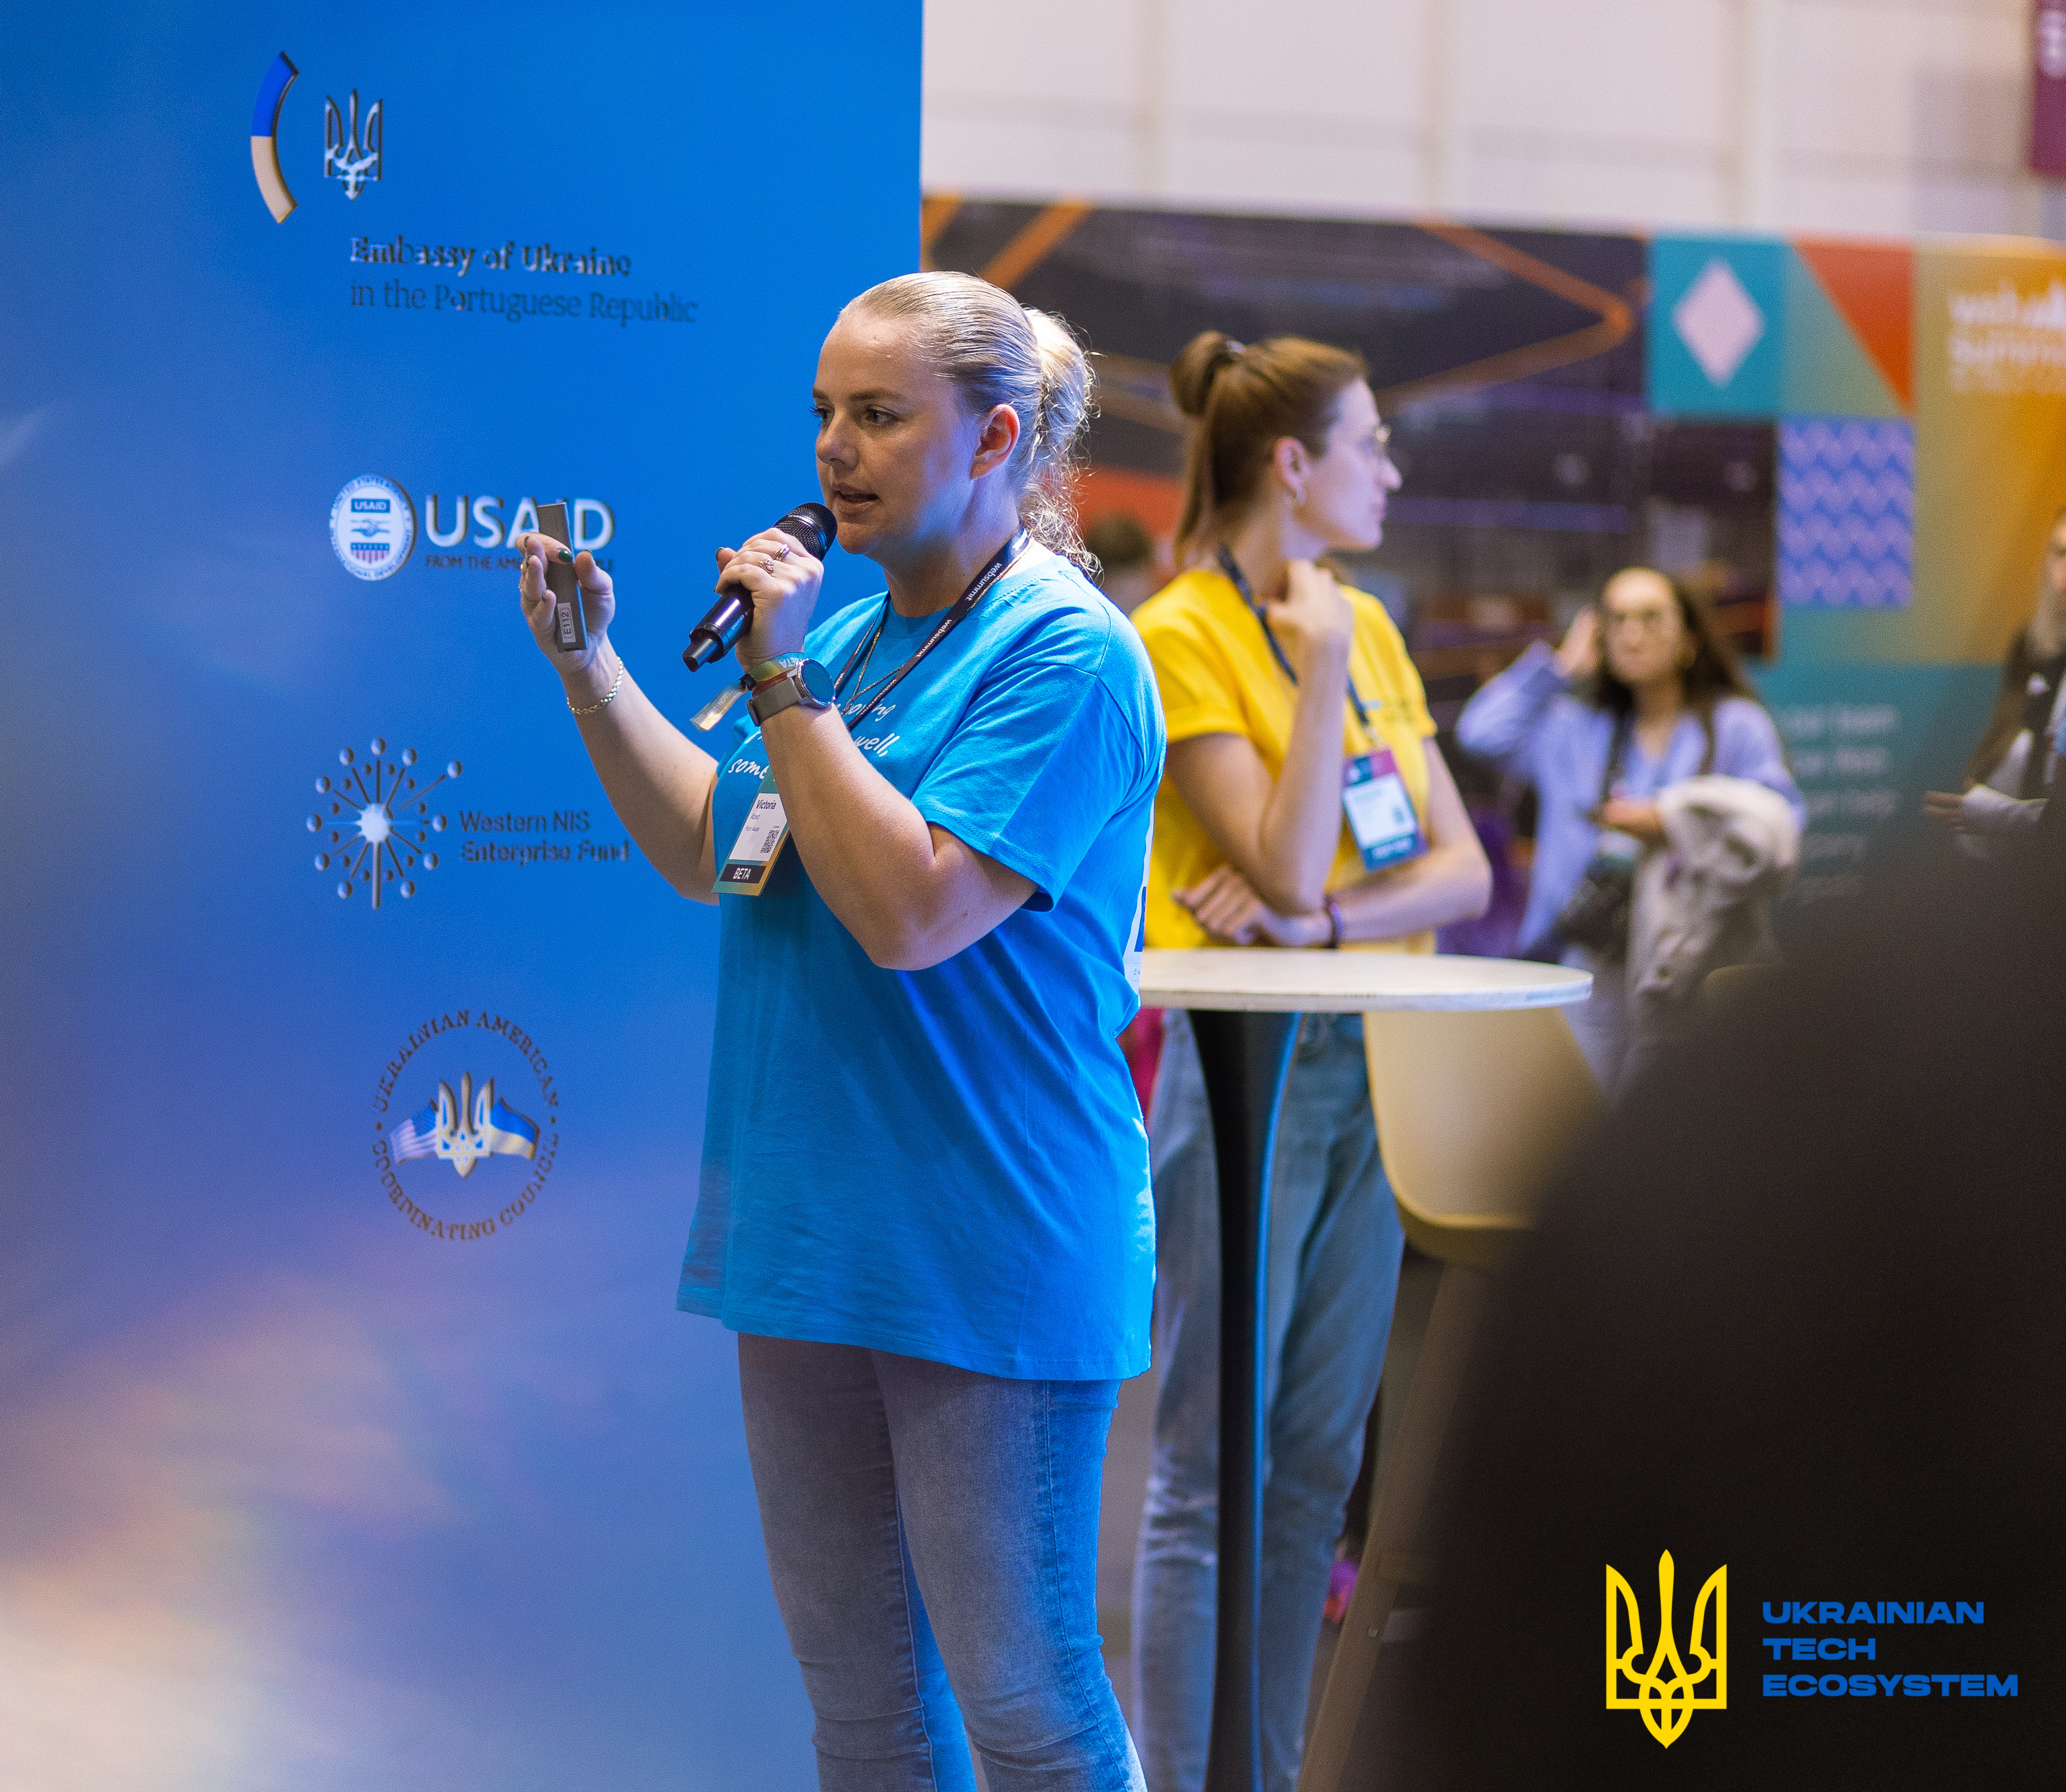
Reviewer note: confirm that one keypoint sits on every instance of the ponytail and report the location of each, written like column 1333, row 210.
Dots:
column 1244, row 400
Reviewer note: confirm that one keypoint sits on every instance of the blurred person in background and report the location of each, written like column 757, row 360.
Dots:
column 1287, row 695
column 1648, row 752
column 1796, row 1313
column 1125, row 553
column 2009, row 776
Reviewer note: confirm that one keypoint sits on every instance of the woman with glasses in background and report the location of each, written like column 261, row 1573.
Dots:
column 1643, row 696
column 1304, row 806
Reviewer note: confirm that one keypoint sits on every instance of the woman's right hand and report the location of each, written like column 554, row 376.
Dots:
column 783, row 579
column 1226, row 907
column 599, row 606
column 1314, row 620
column 1579, row 657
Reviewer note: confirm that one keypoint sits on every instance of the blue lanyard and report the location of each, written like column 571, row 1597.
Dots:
column 1232, row 568
column 866, row 702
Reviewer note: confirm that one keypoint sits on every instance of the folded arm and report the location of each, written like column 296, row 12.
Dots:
column 1450, row 881
column 1280, row 834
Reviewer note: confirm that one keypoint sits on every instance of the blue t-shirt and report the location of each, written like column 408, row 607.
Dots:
column 951, row 1163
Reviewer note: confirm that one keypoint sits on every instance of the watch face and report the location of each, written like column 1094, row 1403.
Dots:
column 816, row 681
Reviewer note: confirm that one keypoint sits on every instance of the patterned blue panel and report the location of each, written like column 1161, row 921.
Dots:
column 1846, row 512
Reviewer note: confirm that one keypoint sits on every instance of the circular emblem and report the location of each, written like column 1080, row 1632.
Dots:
column 372, row 527
column 466, row 1124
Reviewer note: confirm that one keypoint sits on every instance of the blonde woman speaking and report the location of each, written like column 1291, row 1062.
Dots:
column 924, row 1204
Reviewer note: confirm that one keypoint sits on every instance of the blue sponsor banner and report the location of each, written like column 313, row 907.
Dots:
column 354, row 1063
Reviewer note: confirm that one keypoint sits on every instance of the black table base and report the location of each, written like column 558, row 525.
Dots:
column 1245, row 1058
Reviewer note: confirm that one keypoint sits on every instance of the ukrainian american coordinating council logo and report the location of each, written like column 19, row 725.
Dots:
column 1666, row 1689
column 489, row 1104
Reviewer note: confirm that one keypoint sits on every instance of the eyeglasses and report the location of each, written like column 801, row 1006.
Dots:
column 1648, row 622
column 1379, row 442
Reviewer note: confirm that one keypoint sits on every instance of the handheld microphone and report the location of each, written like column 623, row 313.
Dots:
column 813, row 528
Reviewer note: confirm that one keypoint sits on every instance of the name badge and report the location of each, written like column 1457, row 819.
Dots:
column 1380, row 814
column 759, row 845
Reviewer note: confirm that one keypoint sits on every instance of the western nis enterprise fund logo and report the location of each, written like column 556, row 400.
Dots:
column 375, row 825
column 1666, row 1691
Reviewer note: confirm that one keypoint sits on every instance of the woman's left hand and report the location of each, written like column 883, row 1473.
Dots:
column 1640, row 821
column 1227, row 907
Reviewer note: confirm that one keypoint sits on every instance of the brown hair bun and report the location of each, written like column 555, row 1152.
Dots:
column 1192, row 373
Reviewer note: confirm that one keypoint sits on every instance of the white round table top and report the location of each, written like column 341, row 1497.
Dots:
column 1276, row 980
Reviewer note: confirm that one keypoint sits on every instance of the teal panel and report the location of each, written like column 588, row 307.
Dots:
column 1865, row 742
column 1716, row 327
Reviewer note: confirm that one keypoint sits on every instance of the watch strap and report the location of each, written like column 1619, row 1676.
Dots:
column 789, row 687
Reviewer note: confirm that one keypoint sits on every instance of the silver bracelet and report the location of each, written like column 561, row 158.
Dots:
column 607, row 696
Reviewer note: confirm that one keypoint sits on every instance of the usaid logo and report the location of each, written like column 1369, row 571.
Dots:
column 592, row 521
column 372, row 527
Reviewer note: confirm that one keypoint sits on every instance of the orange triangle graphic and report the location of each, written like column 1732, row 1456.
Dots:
column 1872, row 286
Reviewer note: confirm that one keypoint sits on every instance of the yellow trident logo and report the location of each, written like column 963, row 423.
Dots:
column 1665, row 1693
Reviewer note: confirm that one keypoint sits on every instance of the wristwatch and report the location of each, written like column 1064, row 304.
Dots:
column 780, row 685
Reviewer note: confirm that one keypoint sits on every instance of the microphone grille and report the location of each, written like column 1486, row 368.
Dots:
column 814, row 526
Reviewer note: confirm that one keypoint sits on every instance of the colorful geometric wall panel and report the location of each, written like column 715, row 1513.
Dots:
column 1831, row 367
column 1846, row 512
column 1872, row 287
column 1717, row 311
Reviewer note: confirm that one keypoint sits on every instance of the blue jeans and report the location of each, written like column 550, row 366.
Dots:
column 932, row 1534
column 1334, row 1247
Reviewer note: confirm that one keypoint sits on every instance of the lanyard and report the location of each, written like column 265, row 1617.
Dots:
column 1232, row 568
column 866, row 702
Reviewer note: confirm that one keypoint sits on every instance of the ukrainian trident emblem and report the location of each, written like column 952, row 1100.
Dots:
column 346, row 156
column 1666, row 1693
column 465, row 1128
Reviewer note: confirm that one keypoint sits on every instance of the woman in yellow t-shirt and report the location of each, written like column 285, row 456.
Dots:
column 1303, row 804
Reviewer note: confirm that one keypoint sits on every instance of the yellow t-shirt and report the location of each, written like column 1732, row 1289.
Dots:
column 1218, row 676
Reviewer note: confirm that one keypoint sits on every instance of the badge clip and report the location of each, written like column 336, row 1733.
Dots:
column 719, row 706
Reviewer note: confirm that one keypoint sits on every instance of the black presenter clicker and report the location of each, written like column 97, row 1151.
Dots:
column 569, row 631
